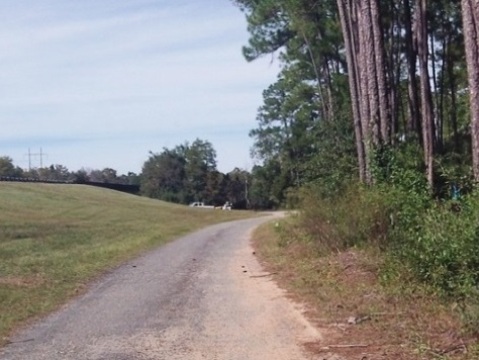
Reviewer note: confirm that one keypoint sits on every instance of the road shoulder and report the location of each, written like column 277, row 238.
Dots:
column 357, row 317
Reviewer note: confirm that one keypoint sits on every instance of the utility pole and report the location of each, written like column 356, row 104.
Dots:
column 246, row 190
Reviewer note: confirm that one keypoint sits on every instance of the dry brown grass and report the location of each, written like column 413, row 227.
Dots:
column 394, row 321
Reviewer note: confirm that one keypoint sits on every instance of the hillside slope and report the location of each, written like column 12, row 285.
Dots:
column 54, row 238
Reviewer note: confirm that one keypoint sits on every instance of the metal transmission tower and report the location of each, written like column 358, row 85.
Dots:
column 41, row 154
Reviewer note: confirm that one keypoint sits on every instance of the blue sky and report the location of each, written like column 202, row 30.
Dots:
column 100, row 83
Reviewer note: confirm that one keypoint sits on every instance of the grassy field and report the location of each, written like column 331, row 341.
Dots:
column 359, row 314
column 54, row 238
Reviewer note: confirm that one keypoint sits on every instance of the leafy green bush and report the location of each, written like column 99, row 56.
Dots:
column 438, row 241
column 444, row 249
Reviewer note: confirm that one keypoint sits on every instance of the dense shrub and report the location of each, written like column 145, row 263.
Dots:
column 444, row 249
column 357, row 215
column 437, row 240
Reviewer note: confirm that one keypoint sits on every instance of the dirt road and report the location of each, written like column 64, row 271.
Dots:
column 200, row 297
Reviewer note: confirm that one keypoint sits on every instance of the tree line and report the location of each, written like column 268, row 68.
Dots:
column 60, row 173
column 184, row 174
column 366, row 83
column 188, row 173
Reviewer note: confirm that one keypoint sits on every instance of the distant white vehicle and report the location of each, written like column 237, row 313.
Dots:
column 196, row 204
column 227, row 206
column 201, row 205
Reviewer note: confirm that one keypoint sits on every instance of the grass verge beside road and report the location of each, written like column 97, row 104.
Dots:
column 361, row 312
column 55, row 238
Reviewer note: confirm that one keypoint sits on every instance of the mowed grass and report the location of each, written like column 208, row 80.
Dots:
column 54, row 238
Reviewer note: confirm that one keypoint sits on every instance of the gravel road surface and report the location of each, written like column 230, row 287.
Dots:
column 202, row 296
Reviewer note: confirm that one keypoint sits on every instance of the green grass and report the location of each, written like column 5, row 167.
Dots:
column 54, row 238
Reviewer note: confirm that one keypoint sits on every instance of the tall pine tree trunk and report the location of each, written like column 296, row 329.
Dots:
column 350, row 31
column 411, row 56
column 470, row 18
column 394, row 69
column 452, row 91
column 380, row 70
column 426, row 97
column 365, row 54
column 368, row 78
